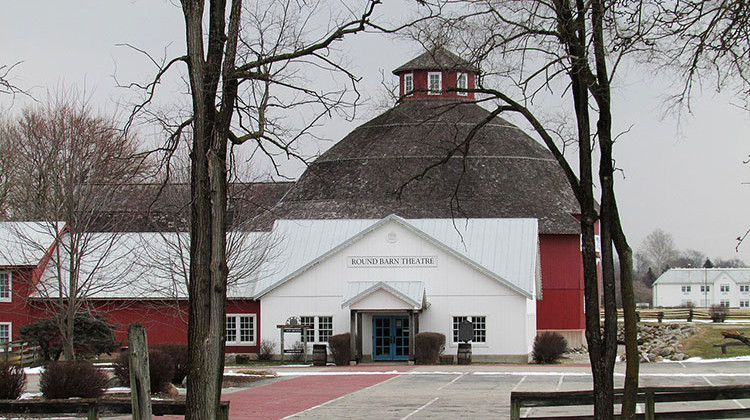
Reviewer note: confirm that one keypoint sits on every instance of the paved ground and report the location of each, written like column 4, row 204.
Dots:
column 385, row 392
column 441, row 392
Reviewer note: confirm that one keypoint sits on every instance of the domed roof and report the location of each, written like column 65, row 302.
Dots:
column 505, row 173
column 437, row 59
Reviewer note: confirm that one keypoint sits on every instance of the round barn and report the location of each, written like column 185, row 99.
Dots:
column 418, row 220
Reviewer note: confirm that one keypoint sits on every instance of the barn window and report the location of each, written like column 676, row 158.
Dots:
column 705, row 288
column 685, row 289
column 725, row 303
column 434, row 83
column 745, row 304
column 240, row 329
column 462, row 82
column 5, row 332
column 5, row 286
column 480, row 327
column 408, row 83
column 724, row 288
column 744, row 288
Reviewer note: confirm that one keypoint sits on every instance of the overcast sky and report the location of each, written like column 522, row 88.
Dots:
column 683, row 175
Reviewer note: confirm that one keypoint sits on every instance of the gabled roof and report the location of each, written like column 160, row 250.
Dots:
column 437, row 58
column 26, row 243
column 411, row 292
column 702, row 275
column 503, row 249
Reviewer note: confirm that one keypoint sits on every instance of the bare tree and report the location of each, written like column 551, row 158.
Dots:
column 245, row 68
column 63, row 151
column 658, row 252
column 571, row 49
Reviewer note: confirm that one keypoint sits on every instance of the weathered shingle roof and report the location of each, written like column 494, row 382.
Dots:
column 505, row 174
column 437, row 59
column 166, row 208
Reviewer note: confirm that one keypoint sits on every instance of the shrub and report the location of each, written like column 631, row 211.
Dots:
column 160, row 369
column 77, row 378
column 180, row 360
column 428, row 346
column 548, row 347
column 266, row 350
column 300, row 352
column 12, row 381
column 718, row 313
column 92, row 336
column 340, row 348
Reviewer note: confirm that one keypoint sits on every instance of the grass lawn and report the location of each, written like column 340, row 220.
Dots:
column 702, row 343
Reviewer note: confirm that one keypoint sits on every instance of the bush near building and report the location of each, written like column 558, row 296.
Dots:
column 12, row 381
column 92, row 336
column 340, row 347
column 549, row 347
column 77, row 378
column 427, row 347
column 161, row 369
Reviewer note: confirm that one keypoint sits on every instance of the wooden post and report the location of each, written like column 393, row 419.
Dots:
column 650, row 406
column 93, row 413
column 224, row 410
column 660, row 316
column 282, row 343
column 140, row 381
column 515, row 408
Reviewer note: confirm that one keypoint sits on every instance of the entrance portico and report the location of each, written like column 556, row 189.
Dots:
column 386, row 312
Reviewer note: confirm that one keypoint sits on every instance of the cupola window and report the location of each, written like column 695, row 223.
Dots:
column 462, row 82
column 408, row 83
column 435, row 83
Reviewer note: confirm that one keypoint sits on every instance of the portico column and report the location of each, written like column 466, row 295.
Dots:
column 353, row 334
column 359, row 337
column 412, row 328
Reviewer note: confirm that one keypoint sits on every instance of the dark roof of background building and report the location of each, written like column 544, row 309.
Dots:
column 158, row 207
column 437, row 59
column 505, row 174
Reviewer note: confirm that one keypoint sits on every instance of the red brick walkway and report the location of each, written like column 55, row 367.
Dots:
column 280, row 399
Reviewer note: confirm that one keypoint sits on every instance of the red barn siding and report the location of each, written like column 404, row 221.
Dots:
column 17, row 311
column 448, row 82
column 561, row 306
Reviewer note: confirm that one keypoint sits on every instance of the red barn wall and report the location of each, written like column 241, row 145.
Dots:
column 17, row 311
column 561, row 306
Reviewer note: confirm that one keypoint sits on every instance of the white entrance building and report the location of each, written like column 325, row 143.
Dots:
column 703, row 287
column 385, row 280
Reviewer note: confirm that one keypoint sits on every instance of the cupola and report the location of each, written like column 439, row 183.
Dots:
column 437, row 74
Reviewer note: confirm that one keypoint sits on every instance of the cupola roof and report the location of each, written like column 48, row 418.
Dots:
column 437, row 58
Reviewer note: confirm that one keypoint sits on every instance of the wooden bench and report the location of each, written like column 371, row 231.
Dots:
column 649, row 396
column 94, row 406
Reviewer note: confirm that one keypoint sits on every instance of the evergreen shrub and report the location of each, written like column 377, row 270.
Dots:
column 340, row 348
column 427, row 347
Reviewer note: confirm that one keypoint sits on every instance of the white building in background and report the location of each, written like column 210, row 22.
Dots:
column 385, row 280
column 703, row 287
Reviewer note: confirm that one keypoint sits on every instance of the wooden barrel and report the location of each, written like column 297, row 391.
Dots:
column 320, row 355
column 464, row 354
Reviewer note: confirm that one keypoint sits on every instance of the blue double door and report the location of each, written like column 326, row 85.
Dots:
column 390, row 337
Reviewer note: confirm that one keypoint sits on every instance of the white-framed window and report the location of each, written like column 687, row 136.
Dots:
column 321, row 327
column 724, row 288
column 480, row 327
column 240, row 329
column 745, row 304
column 5, row 286
column 6, row 332
column 408, row 83
column 434, row 82
column 462, row 82
column 744, row 288
column 724, row 303
column 686, row 289
column 705, row 288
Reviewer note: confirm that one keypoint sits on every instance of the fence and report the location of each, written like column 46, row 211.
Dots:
column 649, row 396
column 19, row 353
column 687, row 314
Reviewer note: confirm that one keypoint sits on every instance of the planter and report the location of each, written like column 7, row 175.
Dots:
column 446, row 359
column 320, row 354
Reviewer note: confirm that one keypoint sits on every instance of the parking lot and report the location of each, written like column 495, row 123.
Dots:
column 483, row 391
